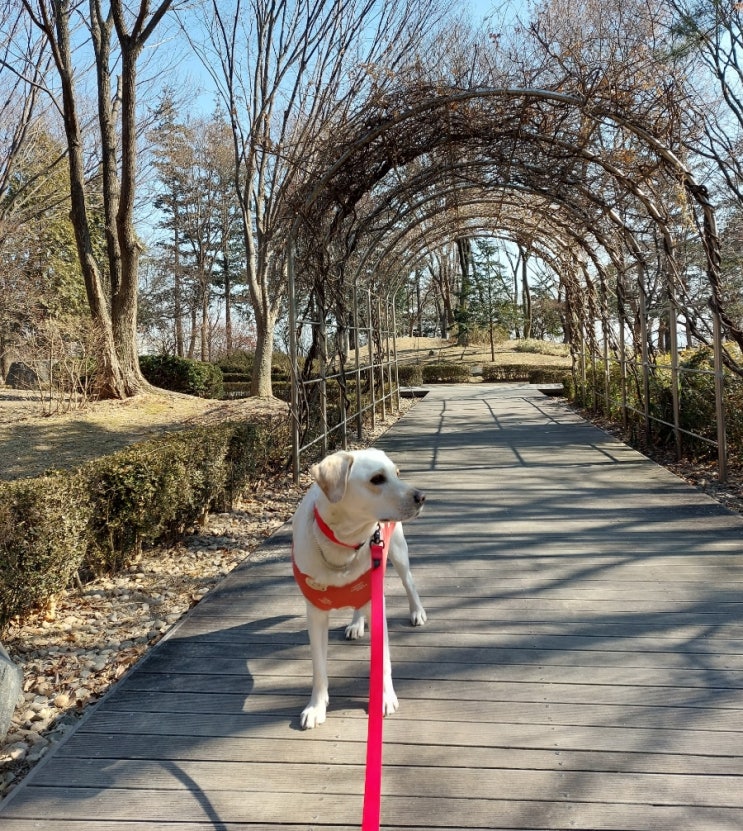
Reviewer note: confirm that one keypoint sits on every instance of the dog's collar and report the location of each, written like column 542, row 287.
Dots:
column 328, row 532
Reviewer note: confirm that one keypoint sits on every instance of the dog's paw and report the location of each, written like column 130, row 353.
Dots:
column 389, row 703
column 355, row 629
column 312, row 716
column 418, row 616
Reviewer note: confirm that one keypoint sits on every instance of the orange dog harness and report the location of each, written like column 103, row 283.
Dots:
column 355, row 594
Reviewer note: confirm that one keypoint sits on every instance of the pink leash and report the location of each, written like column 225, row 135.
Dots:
column 373, row 783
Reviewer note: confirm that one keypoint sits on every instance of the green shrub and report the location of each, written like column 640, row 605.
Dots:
column 410, row 375
column 548, row 375
column 183, row 375
column 42, row 539
column 152, row 491
column 542, row 347
column 445, row 373
column 96, row 519
column 237, row 389
column 506, row 372
column 282, row 390
column 240, row 362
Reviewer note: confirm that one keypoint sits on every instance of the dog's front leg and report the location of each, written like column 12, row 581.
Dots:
column 317, row 627
column 401, row 562
column 389, row 701
column 355, row 628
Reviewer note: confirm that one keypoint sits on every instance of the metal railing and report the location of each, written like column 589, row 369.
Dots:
column 351, row 385
column 641, row 370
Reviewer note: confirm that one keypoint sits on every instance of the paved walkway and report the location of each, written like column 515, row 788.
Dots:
column 582, row 667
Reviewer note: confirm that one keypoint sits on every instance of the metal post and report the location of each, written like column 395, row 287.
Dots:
column 357, row 372
column 382, row 359
column 293, row 359
column 673, row 323
column 607, row 375
column 323, row 378
column 394, row 355
column 722, row 445
column 372, row 384
column 622, row 351
column 645, row 362
column 583, row 370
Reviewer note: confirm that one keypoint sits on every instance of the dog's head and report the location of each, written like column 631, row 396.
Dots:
column 367, row 484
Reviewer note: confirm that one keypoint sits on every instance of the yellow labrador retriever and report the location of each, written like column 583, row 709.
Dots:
column 352, row 494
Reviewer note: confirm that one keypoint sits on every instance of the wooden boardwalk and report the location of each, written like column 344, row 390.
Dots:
column 582, row 667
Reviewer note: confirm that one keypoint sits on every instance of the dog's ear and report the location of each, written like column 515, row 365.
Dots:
column 331, row 474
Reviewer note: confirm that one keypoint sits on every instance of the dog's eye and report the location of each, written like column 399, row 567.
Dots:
column 379, row 479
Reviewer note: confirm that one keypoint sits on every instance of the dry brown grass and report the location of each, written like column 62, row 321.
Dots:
column 433, row 350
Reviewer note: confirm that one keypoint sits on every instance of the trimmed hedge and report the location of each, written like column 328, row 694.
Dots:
column 97, row 518
column 240, row 362
column 183, row 375
column 43, row 539
column 445, row 373
column 410, row 375
column 550, row 375
column 506, row 372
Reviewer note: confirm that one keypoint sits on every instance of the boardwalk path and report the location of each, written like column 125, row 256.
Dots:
column 582, row 666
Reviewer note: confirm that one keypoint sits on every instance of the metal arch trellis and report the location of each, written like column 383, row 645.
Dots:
column 585, row 328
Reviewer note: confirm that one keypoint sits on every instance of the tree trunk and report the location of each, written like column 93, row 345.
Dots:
column 177, row 286
column 260, row 384
column 525, row 293
column 109, row 377
column 227, row 306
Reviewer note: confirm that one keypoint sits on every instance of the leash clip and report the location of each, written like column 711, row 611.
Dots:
column 377, row 547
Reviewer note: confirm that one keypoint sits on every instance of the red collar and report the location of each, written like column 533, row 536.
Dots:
column 328, row 532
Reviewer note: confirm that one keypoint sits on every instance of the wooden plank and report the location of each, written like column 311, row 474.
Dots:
column 415, row 781
column 687, row 643
column 112, row 746
column 409, row 730
column 564, row 671
column 532, row 621
column 259, row 654
column 515, row 712
column 334, row 809
column 412, row 689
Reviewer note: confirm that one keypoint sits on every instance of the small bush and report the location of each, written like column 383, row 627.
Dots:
column 152, row 491
column 42, row 540
column 549, row 375
column 237, row 389
column 169, row 372
column 410, row 375
column 506, row 372
column 542, row 347
column 240, row 362
column 445, row 373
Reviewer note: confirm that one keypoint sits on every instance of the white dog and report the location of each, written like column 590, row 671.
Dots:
column 353, row 492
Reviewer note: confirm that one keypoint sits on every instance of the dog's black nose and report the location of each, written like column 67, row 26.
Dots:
column 419, row 497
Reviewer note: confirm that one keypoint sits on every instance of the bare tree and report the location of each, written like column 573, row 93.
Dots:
column 287, row 70
column 118, row 34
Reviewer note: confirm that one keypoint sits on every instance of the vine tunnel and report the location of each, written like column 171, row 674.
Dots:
column 603, row 200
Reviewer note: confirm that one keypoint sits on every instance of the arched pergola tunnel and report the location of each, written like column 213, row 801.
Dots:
column 595, row 195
